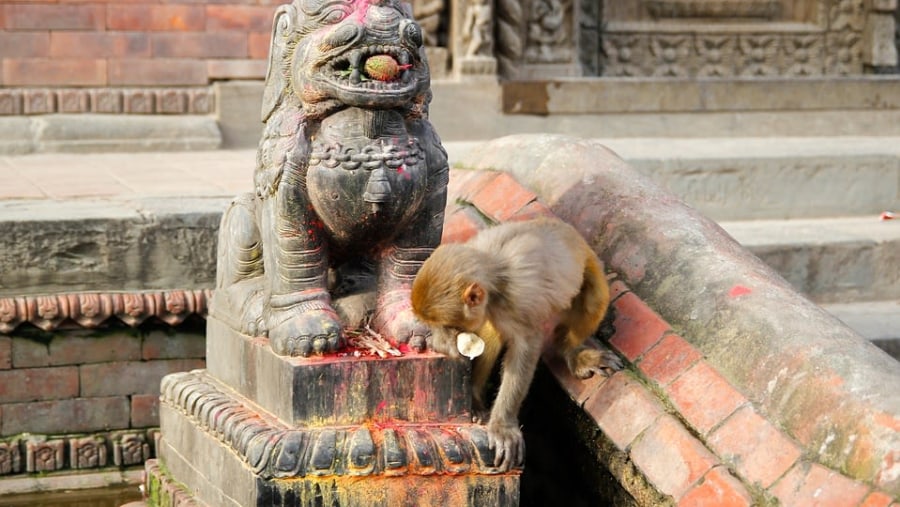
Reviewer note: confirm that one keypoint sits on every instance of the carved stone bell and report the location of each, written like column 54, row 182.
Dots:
column 378, row 189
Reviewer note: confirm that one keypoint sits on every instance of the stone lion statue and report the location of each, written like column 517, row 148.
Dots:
column 350, row 178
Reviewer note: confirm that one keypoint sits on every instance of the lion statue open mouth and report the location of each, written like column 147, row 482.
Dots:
column 349, row 173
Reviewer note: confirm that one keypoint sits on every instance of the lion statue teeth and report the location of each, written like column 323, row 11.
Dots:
column 350, row 177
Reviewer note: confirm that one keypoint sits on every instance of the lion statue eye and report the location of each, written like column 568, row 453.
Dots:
column 333, row 16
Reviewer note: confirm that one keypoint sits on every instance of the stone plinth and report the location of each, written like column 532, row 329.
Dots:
column 229, row 452
column 340, row 388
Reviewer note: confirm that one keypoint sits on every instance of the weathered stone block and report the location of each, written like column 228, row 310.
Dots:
column 339, row 388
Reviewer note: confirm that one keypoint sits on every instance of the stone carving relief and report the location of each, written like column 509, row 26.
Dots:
column 33, row 101
column 689, row 38
column 90, row 310
column 87, row 452
column 549, row 34
column 669, row 54
column 45, row 454
column 476, row 32
column 510, row 39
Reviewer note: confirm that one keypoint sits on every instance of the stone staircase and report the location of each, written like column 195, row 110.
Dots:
column 812, row 208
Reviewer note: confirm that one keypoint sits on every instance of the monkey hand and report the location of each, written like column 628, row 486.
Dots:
column 508, row 444
column 590, row 361
column 443, row 341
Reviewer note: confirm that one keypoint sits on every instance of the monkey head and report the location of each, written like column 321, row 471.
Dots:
column 359, row 53
column 452, row 294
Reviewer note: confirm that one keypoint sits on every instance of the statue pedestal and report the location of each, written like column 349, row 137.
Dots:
column 260, row 429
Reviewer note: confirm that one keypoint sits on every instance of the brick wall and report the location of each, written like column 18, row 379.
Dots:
column 56, row 388
column 65, row 43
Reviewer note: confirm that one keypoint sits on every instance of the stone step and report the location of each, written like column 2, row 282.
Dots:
column 772, row 178
column 879, row 321
column 767, row 177
column 831, row 260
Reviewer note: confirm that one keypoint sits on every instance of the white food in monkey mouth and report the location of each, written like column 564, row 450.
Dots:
column 469, row 344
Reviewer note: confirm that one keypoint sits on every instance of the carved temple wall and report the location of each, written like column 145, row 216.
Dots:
column 155, row 57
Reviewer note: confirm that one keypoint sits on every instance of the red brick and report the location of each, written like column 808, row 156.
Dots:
column 236, row 69
column 623, row 408
column 75, row 349
column 199, row 45
column 55, row 17
column 48, row 72
column 246, row 18
column 670, row 457
column 876, row 499
column 166, row 345
column 464, row 183
column 66, row 416
column 130, row 377
column 502, row 197
column 754, row 447
column 24, row 44
column 99, row 44
column 668, row 359
column 156, row 17
column 150, row 72
column 809, row 485
column 717, row 489
column 27, row 353
column 5, row 352
column 460, row 226
column 36, row 384
column 703, row 397
column 258, row 45
column 144, row 410
column 637, row 326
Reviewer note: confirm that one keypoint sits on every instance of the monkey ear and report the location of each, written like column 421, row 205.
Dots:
column 474, row 295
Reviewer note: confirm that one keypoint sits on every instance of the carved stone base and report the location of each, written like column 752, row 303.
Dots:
column 339, row 388
column 227, row 452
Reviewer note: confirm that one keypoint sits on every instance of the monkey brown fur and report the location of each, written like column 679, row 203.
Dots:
column 507, row 284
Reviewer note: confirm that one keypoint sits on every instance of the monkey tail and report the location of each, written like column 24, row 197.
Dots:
column 589, row 306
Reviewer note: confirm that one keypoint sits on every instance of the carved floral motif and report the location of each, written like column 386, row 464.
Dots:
column 670, row 53
column 10, row 458
column 44, row 455
column 87, row 452
column 90, row 310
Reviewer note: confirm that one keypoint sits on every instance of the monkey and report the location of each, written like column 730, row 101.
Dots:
column 510, row 284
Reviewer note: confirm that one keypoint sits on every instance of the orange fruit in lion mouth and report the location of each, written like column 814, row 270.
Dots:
column 382, row 68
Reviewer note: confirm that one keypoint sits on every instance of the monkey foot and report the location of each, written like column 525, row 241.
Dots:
column 395, row 319
column 307, row 326
column 588, row 361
